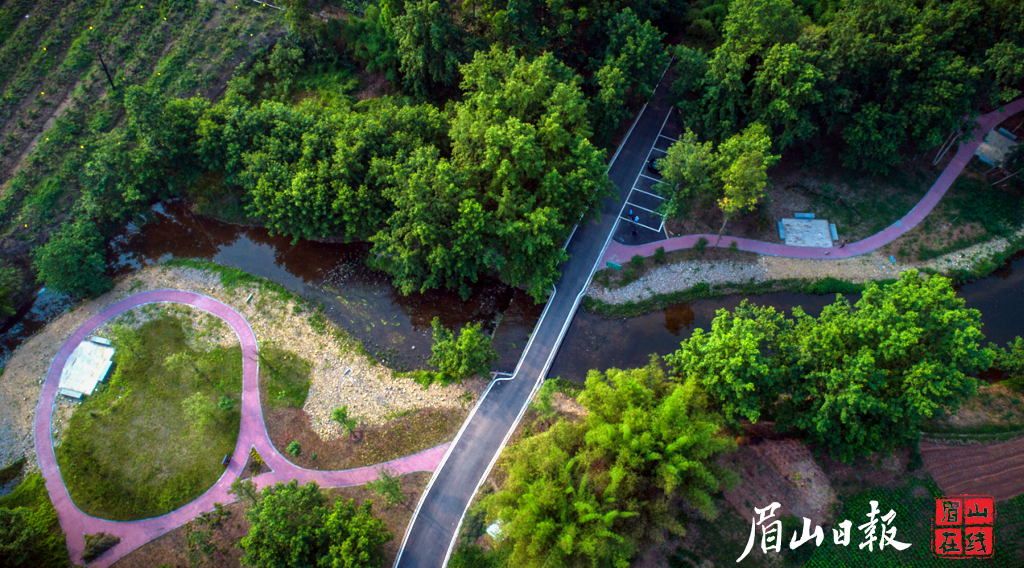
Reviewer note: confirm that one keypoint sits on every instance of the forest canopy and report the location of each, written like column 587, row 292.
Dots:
column 491, row 143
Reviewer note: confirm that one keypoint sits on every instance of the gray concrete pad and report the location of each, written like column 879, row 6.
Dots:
column 807, row 232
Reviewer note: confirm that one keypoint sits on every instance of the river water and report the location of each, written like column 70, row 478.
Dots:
column 397, row 327
column 596, row 343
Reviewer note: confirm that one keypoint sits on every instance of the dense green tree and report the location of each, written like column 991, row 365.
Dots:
column 292, row 526
column 202, row 411
column 73, row 261
column 428, row 46
column 438, row 235
column 855, row 380
column 356, row 537
column 576, row 31
column 285, row 527
column 751, row 28
column 633, row 62
column 1011, row 361
column 691, row 68
column 317, row 172
column 372, row 42
column 152, row 157
column 586, row 493
column 688, row 171
column 908, row 86
column 341, row 416
column 735, row 175
column 1006, row 62
column 737, row 362
column 521, row 137
column 786, row 93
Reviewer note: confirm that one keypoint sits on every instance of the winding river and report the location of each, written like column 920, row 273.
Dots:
column 397, row 327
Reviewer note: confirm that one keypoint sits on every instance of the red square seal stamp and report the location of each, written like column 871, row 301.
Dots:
column 962, row 526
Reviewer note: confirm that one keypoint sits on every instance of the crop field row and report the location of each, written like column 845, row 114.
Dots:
column 56, row 100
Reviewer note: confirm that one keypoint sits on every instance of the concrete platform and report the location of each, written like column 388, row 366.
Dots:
column 807, row 233
column 994, row 148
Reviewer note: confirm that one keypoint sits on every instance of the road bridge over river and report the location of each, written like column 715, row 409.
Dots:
column 432, row 531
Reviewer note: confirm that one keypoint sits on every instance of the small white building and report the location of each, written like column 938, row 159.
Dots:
column 87, row 366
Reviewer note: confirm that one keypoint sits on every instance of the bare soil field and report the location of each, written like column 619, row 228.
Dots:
column 996, row 469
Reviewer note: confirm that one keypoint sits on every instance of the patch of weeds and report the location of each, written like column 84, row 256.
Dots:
column 701, row 245
column 565, row 386
column 629, row 275
column 704, row 291
column 97, row 544
column 12, row 471
column 232, row 278
column 48, row 545
column 286, row 377
column 318, row 322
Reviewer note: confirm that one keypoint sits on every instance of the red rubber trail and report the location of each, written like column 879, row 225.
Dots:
column 620, row 253
column 252, row 433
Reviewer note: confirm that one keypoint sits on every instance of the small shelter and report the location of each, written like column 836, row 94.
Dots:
column 87, row 366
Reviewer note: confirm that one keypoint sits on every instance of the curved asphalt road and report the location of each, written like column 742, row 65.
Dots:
column 433, row 529
column 431, row 535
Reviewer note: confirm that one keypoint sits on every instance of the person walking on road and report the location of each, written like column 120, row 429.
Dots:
column 842, row 244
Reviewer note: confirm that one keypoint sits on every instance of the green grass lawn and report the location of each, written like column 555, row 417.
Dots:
column 131, row 451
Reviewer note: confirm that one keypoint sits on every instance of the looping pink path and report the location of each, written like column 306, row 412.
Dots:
column 252, row 433
column 620, row 253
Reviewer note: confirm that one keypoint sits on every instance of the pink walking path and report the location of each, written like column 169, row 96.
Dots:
column 620, row 253
column 252, row 433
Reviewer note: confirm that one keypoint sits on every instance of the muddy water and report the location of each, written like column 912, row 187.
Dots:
column 42, row 309
column 393, row 326
column 595, row 343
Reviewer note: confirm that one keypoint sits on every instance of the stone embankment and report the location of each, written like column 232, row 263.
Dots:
column 870, row 266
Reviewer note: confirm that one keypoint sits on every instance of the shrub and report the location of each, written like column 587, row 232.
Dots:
column 255, row 460
column 734, row 246
column 457, row 357
column 637, row 261
column 348, row 423
column 97, row 544
column 74, row 260
column 702, row 244
column 659, row 255
column 294, row 448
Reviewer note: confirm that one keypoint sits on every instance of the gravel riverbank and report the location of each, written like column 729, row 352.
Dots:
column 370, row 391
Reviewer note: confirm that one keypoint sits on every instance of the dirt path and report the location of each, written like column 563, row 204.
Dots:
column 996, row 470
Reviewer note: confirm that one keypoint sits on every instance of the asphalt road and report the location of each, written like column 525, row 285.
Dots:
column 434, row 527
